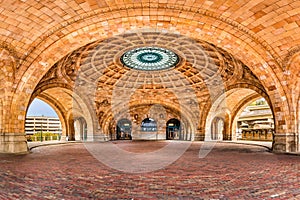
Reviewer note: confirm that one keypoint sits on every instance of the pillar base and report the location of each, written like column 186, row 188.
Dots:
column 199, row 138
column 97, row 138
column 13, row 143
column 287, row 142
column 64, row 138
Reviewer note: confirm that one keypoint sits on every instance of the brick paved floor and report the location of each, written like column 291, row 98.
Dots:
column 229, row 171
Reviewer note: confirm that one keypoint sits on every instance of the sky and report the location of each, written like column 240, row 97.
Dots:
column 40, row 108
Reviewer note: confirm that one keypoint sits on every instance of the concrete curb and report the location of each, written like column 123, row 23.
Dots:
column 250, row 144
column 50, row 144
column 269, row 149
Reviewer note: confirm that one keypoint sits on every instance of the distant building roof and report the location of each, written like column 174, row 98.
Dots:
column 256, row 112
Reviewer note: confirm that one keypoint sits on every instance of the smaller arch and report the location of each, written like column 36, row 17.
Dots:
column 238, row 111
column 80, row 127
column 257, row 128
column 173, row 130
column 124, row 129
column 38, row 122
column 227, row 107
column 58, row 108
column 217, row 128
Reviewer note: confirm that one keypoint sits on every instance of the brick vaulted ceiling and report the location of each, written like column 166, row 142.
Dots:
column 25, row 24
column 263, row 34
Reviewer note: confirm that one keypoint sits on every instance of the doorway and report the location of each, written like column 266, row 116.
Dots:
column 124, row 129
column 217, row 129
column 173, row 130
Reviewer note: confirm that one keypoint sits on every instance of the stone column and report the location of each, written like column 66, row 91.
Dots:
column 71, row 129
column 98, row 138
column 12, row 134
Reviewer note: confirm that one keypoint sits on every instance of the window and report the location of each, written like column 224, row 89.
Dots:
column 149, row 124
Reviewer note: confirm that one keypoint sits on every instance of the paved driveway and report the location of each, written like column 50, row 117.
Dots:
column 229, row 171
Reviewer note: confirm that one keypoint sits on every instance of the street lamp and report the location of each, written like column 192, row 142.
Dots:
column 59, row 133
column 42, row 132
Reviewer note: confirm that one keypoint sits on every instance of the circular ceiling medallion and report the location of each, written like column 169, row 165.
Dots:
column 150, row 58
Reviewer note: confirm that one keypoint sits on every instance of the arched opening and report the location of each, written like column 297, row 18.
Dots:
column 80, row 127
column 224, row 123
column 256, row 121
column 43, row 122
column 70, row 107
column 124, row 129
column 217, row 129
column 173, row 131
column 149, row 125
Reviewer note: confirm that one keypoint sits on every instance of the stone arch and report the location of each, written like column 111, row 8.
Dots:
column 57, row 107
column 57, row 97
column 264, row 73
column 217, row 128
column 255, row 88
column 219, row 103
column 71, row 105
column 238, row 110
column 212, row 128
column 87, row 108
column 80, row 128
column 82, row 108
column 43, row 87
column 229, row 104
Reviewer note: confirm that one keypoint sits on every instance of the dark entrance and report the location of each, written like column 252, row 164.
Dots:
column 173, row 130
column 124, row 129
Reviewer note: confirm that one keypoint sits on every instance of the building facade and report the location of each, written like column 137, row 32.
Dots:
column 256, row 123
column 38, row 124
